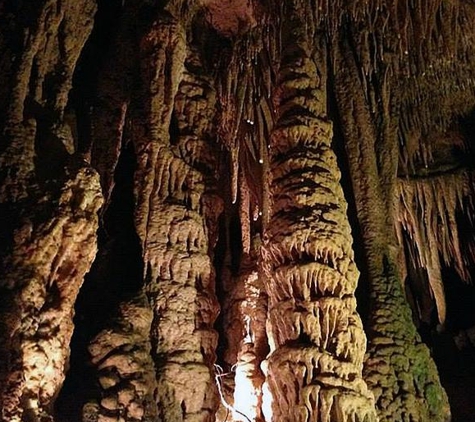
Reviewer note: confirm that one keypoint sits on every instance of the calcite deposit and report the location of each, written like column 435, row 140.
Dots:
column 240, row 210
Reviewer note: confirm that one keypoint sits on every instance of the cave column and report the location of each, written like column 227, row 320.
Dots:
column 172, row 187
column 314, row 370
column 399, row 368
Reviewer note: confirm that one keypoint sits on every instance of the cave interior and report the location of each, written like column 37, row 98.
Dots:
column 237, row 210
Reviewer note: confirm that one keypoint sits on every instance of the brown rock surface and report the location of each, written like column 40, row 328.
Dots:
column 250, row 155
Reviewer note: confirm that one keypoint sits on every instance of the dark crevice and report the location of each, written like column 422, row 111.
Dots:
column 83, row 95
column 453, row 347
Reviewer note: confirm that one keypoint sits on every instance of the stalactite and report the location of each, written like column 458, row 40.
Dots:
column 245, row 216
column 247, row 117
column 427, row 211
column 420, row 73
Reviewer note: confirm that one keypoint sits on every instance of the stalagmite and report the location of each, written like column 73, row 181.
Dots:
column 126, row 371
column 49, row 199
column 252, row 340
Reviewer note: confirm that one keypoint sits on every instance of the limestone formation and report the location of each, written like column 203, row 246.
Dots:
column 190, row 190
column 121, row 355
column 316, row 337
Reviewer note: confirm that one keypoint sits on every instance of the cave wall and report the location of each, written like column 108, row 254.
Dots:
column 175, row 237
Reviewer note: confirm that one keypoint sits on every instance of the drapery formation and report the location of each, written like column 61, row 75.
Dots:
column 233, row 156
